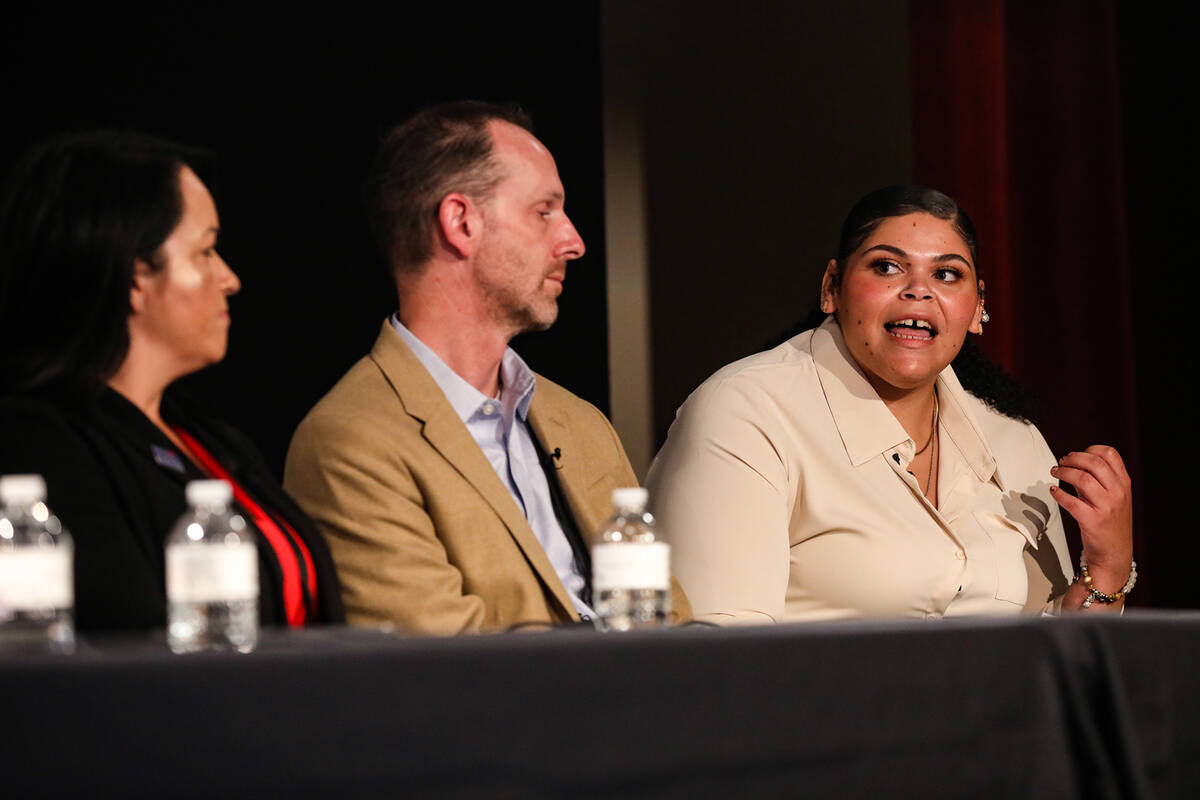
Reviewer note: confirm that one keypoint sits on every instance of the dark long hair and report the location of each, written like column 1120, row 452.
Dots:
column 76, row 212
column 979, row 376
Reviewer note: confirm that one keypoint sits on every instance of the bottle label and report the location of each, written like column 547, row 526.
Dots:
column 216, row 573
column 631, row 566
column 34, row 578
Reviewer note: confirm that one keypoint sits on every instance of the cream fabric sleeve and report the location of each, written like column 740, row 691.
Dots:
column 721, row 492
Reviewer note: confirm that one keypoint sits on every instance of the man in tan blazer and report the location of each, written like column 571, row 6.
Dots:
column 459, row 491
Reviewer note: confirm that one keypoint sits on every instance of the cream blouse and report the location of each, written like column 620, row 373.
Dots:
column 783, row 491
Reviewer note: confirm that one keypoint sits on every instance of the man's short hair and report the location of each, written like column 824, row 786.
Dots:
column 442, row 149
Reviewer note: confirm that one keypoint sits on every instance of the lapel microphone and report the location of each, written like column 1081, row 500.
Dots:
column 557, row 454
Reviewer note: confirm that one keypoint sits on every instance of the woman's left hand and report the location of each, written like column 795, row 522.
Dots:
column 1103, row 509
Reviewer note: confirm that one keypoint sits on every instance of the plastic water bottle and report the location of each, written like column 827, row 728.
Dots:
column 631, row 570
column 37, row 582
column 212, row 575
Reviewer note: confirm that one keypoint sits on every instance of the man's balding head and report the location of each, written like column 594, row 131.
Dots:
column 440, row 150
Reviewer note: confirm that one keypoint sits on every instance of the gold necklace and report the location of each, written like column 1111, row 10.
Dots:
column 932, row 456
column 929, row 476
column 933, row 427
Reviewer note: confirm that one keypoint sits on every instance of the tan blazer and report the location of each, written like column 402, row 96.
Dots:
column 424, row 533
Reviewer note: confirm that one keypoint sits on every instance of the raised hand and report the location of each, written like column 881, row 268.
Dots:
column 1103, row 509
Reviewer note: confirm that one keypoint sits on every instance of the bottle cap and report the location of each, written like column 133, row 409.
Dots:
column 630, row 499
column 208, row 492
column 22, row 489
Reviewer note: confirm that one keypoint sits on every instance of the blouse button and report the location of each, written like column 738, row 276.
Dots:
column 960, row 555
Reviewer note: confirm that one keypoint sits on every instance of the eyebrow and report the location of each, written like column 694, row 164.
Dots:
column 937, row 259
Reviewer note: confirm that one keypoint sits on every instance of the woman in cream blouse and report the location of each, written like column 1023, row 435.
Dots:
column 847, row 473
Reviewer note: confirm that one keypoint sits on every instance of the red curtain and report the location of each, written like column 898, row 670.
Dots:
column 1017, row 114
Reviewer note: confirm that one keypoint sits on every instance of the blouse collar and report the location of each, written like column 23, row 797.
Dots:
column 868, row 429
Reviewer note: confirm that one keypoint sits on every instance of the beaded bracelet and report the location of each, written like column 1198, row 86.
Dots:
column 1095, row 594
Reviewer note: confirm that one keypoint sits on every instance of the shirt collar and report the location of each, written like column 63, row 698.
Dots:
column 517, row 381
column 869, row 429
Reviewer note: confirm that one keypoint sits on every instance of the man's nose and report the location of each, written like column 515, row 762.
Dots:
column 571, row 246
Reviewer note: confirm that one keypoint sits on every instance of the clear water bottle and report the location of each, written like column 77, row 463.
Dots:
column 212, row 575
column 37, row 589
column 631, row 570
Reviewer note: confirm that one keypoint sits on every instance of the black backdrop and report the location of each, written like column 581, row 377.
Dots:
column 293, row 105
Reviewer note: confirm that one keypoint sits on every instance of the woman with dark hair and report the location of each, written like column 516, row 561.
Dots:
column 111, row 288
column 847, row 472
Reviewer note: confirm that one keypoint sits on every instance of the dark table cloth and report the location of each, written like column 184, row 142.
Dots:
column 1081, row 706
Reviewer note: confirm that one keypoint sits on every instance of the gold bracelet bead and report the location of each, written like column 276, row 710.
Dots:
column 1095, row 594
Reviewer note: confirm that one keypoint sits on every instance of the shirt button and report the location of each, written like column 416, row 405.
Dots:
column 960, row 555
column 489, row 408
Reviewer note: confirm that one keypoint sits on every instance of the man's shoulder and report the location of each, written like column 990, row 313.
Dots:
column 354, row 392
column 551, row 398
column 366, row 388
column 559, row 396
column 360, row 412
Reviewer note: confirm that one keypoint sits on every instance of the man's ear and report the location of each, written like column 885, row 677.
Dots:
column 459, row 223
column 828, row 295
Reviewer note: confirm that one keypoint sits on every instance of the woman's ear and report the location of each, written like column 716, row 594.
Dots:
column 828, row 284
column 141, row 280
column 980, row 317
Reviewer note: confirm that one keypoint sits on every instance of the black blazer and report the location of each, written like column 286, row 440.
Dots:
column 117, row 483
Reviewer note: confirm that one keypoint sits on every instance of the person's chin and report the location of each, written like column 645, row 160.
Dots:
column 540, row 324
column 218, row 354
column 540, row 319
column 913, row 377
column 910, row 370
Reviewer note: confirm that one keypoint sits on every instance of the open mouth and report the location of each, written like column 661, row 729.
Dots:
column 911, row 329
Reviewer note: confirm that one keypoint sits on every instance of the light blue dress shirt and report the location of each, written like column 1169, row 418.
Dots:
column 500, row 428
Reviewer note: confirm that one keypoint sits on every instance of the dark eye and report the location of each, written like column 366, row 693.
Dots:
column 885, row 267
column 948, row 274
